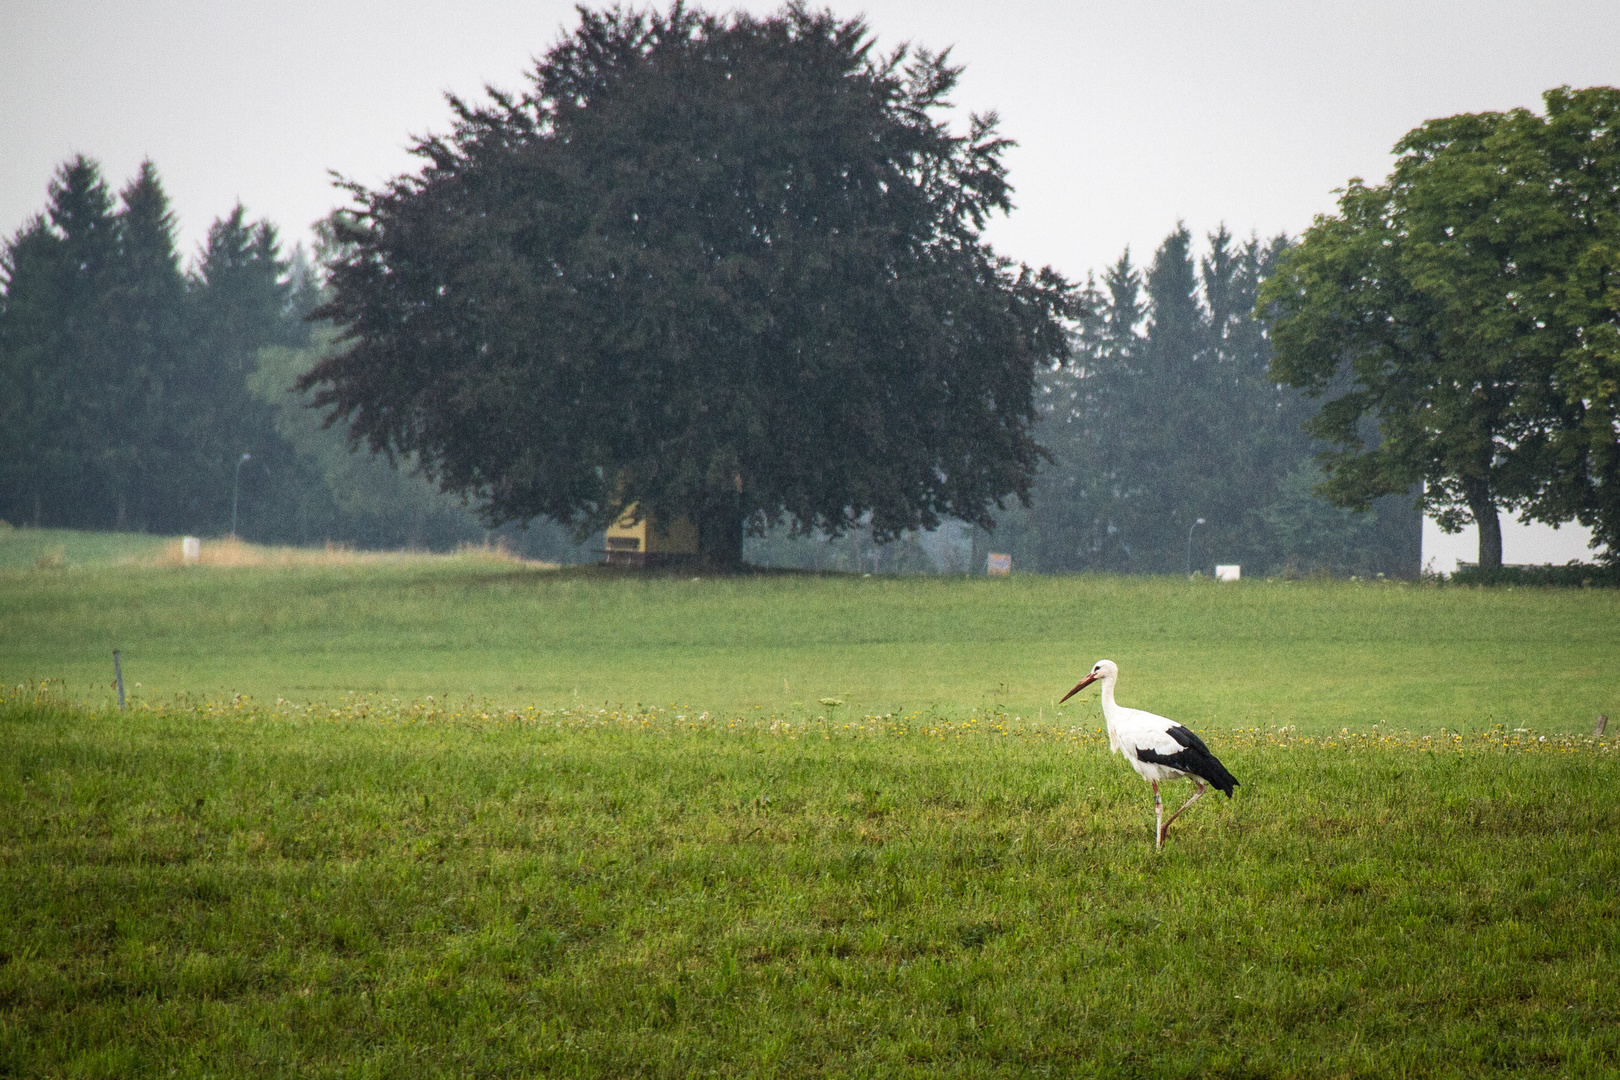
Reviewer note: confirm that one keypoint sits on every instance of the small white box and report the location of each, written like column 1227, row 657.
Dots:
column 190, row 549
column 1228, row 572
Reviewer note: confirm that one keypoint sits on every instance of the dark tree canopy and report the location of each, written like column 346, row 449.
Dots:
column 1465, row 311
column 721, row 266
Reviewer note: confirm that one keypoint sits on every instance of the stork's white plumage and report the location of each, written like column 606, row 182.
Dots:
column 1157, row 748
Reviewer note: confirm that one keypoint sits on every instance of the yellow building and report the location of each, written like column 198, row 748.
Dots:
column 648, row 542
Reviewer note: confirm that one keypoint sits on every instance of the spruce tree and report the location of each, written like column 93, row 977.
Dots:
column 145, row 307
column 30, row 453
column 1167, row 414
column 241, row 298
column 58, row 339
column 127, row 399
column 1081, row 491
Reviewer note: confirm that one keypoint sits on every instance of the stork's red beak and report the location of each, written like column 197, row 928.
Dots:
column 1085, row 682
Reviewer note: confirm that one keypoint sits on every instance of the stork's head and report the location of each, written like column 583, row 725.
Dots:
column 1103, row 669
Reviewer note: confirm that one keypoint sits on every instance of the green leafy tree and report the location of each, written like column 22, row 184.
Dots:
column 725, row 267
column 361, row 498
column 1579, row 295
column 1454, row 318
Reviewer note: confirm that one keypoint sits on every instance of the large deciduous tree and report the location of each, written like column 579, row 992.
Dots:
column 724, row 267
column 1465, row 310
column 1580, row 143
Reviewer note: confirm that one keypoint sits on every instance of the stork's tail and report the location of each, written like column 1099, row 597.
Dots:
column 1196, row 759
column 1210, row 770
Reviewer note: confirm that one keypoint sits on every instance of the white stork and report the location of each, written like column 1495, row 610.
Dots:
column 1157, row 748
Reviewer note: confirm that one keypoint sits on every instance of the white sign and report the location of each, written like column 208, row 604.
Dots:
column 1228, row 572
column 190, row 549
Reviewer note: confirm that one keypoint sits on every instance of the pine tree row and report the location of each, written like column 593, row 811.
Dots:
column 133, row 386
column 1165, row 414
column 127, row 403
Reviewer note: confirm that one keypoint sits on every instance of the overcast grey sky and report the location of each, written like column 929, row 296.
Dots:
column 1129, row 116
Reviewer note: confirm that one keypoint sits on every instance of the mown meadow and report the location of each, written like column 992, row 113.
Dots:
column 467, row 817
column 1316, row 655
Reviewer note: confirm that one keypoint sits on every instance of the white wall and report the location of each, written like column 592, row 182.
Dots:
column 1532, row 543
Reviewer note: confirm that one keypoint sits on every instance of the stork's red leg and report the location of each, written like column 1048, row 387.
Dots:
column 1165, row 828
column 1158, row 815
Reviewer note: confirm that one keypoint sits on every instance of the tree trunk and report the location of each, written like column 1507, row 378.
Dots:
column 1483, row 508
column 720, row 537
column 1490, row 540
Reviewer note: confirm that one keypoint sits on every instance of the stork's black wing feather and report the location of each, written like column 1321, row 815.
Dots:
column 1193, row 757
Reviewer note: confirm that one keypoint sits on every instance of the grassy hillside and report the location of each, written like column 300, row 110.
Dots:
column 1316, row 655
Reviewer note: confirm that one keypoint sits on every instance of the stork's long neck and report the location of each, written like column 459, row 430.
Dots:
column 1110, row 712
column 1107, row 696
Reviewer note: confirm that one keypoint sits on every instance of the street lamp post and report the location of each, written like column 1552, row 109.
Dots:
column 235, row 488
column 1190, row 528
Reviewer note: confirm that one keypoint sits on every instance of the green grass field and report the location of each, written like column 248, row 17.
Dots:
column 53, row 549
column 1319, row 655
column 791, row 826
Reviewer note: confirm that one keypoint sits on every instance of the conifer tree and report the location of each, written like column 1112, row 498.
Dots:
column 1167, row 414
column 145, row 307
column 30, row 455
column 128, row 401
column 57, row 343
column 241, row 301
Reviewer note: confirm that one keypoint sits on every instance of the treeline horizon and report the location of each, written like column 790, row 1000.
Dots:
column 1165, row 414
column 143, row 395
column 136, row 385
column 1172, row 444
